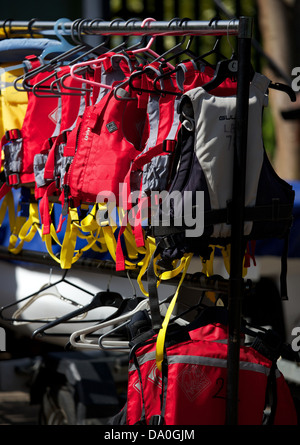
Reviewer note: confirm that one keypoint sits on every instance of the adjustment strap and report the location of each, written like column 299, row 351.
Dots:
column 167, row 147
column 26, row 231
column 160, row 343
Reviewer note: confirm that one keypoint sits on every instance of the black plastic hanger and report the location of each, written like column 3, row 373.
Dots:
column 225, row 69
column 278, row 86
column 66, row 55
column 49, row 286
column 193, row 56
column 137, row 74
column 176, row 50
column 284, row 88
column 42, row 90
column 228, row 69
column 163, row 76
column 103, row 298
column 101, row 49
column 126, row 305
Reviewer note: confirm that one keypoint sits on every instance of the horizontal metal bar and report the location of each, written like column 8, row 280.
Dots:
column 122, row 27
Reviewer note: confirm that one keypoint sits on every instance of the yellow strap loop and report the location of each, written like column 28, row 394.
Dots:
column 150, row 249
column 162, row 332
column 226, row 252
column 25, row 231
column 208, row 265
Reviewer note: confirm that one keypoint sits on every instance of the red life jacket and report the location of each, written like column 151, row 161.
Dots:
column 107, row 140
column 151, row 169
column 191, row 389
column 58, row 153
column 41, row 121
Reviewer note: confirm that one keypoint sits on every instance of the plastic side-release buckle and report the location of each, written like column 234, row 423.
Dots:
column 12, row 135
column 157, row 419
column 32, row 61
column 169, row 145
column 13, row 179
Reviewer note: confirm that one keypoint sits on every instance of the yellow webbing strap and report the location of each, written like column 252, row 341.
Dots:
column 131, row 246
column 69, row 241
column 109, row 229
column 160, row 342
column 92, row 232
column 208, row 265
column 226, row 252
column 150, row 247
column 68, row 252
column 25, row 229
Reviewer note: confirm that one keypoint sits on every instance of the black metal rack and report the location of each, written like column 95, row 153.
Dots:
column 242, row 29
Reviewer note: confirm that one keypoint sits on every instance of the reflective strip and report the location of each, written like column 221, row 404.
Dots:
column 204, row 361
column 216, row 362
column 143, row 359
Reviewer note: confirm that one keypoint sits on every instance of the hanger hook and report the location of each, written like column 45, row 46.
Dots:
column 214, row 19
column 228, row 40
column 80, row 24
column 176, row 19
column 95, row 20
column 146, row 21
column 4, row 27
column 185, row 19
column 131, row 283
column 29, row 27
column 59, row 35
column 134, row 19
column 118, row 20
column 73, row 28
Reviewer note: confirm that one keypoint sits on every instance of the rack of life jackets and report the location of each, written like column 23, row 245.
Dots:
column 103, row 133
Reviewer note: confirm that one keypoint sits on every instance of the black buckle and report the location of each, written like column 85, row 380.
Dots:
column 157, row 419
column 11, row 136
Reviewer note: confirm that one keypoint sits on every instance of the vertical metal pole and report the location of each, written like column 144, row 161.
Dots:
column 237, row 227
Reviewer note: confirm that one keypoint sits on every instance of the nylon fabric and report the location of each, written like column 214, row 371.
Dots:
column 196, row 367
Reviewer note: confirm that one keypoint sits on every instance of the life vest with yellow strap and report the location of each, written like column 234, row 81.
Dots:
column 190, row 387
column 57, row 164
column 197, row 226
